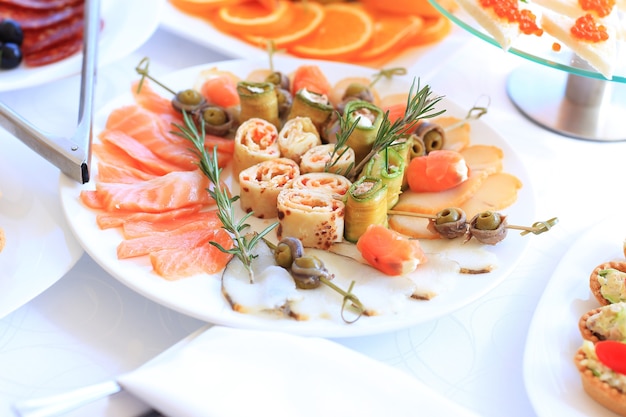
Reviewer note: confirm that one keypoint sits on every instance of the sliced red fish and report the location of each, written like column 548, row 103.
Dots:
column 139, row 228
column 107, row 220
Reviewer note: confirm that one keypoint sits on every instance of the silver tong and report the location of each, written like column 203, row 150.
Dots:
column 71, row 155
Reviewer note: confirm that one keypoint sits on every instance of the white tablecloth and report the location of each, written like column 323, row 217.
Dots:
column 88, row 327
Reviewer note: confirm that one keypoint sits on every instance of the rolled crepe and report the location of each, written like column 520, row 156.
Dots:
column 261, row 183
column 255, row 141
column 334, row 184
column 316, row 159
column 297, row 136
column 314, row 217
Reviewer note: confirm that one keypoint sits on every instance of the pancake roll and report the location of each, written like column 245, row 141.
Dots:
column 261, row 183
column 256, row 140
column 318, row 157
column 314, row 217
column 325, row 182
column 297, row 136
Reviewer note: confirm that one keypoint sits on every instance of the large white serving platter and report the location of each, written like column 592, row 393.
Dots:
column 551, row 378
column 200, row 296
column 40, row 248
column 127, row 26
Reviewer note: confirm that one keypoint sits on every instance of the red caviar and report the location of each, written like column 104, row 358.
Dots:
column 556, row 47
column 586, row 29
column 601, row 7
column 510, row 11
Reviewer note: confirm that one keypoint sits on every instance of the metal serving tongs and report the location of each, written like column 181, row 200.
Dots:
column 71, row 155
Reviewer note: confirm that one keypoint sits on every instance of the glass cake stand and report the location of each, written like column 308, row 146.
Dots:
column 560, row 91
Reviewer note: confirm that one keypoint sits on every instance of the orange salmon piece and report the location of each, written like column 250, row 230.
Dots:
column 143, row 156
column 205, row 258
column 121, row 174
column 154, row 132
column 132, row 229
column 152, row 101
column 106, row 220
column 220, row 90
column 312, row 78
column 113, row 155
column 175, row 190
column 183, row 238
column 437, row 171
column 389, row 251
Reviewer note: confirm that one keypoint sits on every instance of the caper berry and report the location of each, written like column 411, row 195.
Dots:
column 448, row 215
column 488, row 220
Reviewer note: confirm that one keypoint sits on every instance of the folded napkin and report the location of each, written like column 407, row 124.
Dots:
column 227, row 372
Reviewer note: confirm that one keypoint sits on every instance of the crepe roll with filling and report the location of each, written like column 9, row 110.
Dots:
column 261, row 183
column 297, row 136
column 325, row 182
column 256, row 140
column 325, row 158
column 316, row 218
column 258, row 100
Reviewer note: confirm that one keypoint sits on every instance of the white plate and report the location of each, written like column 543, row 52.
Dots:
column 40, row 247
column 127, row 25
column 200, row 297
column 551, row 378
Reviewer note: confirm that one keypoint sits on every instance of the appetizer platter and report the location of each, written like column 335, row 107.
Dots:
column 209, row 296
column 39, row 247
column 552, row 379
column 120, row 35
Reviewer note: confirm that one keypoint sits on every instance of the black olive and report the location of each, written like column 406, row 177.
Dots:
column 11, row 32
column 10, row 55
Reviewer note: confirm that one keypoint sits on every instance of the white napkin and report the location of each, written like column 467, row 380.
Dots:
column 227, row 372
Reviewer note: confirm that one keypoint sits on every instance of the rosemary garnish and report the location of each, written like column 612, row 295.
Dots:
column 418, row 106
column 244, row 243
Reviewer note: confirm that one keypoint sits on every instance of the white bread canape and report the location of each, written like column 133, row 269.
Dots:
column 602, row 56
column 503, row 32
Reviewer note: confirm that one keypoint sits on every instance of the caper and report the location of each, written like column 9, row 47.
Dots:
column 448, row 215
column 488, row 220
column 214, row 115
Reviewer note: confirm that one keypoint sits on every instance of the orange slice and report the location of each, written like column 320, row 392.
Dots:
column 390, row 32
column 345, row 30
column 306, row 18
column 253, row 18
column 433, row 30
column 418, row 7
column 200, row 7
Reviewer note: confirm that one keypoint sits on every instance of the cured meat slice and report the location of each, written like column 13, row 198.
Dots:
column 55, row 53
column 42, row 39
column 30, row 19
column 41, row 4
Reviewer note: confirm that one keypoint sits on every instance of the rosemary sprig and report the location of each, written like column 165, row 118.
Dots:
column 419, row 106
column 244, row 243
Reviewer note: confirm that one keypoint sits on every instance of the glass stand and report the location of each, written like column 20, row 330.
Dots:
column 569, row 104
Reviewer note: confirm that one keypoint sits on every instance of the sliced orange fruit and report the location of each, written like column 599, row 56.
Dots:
column 253, row 18
column 345, row 30
column 418, row 7
column 390, row 32
column 201, row 7
column 433, row 30
column 306, row 17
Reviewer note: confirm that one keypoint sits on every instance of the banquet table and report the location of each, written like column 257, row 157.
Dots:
column 88, row 327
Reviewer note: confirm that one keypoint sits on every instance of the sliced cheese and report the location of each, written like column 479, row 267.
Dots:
column 505, row 33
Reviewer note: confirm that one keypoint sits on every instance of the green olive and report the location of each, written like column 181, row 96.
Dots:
column 214, row 115
column 282, row 256
column 190, row 97
column 488, row 220
column 433, row 141
column 308, row 262
column 448, row 215
column 278, row 79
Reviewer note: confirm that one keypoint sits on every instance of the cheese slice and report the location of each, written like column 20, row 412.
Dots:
column 602, row 56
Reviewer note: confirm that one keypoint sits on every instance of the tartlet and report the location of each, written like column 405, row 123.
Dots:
column 612, row 326
column 594, row 283
column 600, row 391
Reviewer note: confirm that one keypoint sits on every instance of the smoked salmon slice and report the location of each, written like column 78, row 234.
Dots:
column 175, row 190
column 107, row 220
column 143, row 156
column 122, row 174
column 139, row 228
column 152, row 101
column 205, row 258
